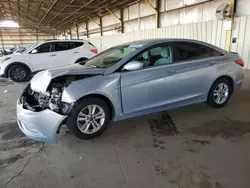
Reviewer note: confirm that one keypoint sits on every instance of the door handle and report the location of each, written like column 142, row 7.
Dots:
column 76, row 52
column 171, row 72
column 52, row 55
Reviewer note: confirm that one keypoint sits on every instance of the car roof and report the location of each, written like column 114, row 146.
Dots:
column 148, row 42
column 159, row 40
column 66, row 40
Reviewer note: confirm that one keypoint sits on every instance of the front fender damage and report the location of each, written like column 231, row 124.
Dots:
column 52, row 99
column 40, row 116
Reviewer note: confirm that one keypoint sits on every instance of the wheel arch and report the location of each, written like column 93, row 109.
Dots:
column 229, row 78
column 16, row 63
column 104, row 98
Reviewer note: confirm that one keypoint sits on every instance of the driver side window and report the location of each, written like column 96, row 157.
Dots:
column 155, row 56
column 44, row 48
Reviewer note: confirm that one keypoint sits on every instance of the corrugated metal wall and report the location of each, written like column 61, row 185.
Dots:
column 211, row 32
column 194, row 19
column 241, row 32
column 141, row 16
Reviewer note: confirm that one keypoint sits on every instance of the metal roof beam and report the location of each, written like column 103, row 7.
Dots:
column 47, row 12
column 70, row 20
column 113, row 14
column 27, row 8
column 11, row 10
column 4, row 12
column 74, row 12
column 40, row 5
column 31, row 25
column 80, row 19
column 25, row 2
column 77, row 6
column 61, row 10
column 20, row 14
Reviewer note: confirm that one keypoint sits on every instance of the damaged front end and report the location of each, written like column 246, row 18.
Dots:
column 37, row 101
column 40, row 109
column 40, row 115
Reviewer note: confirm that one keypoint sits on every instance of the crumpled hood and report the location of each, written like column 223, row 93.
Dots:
column 41, row 80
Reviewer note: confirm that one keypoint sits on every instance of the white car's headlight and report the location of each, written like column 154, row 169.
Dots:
column 4, row 59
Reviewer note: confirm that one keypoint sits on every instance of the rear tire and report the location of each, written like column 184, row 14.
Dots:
column 18, row 73
column 89, row 118
column 220, row 93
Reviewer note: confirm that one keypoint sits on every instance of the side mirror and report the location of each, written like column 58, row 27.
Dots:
column 133, row 65
column 34, row 51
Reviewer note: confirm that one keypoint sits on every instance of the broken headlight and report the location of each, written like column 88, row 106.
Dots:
column 55, row 99
column 37, row 101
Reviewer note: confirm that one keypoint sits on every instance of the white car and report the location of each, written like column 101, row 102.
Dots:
column 46, row 55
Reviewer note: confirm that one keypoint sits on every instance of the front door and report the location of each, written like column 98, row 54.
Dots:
column 44, row 58
column 152, row 86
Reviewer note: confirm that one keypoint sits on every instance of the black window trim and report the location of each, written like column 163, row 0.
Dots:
column 53, row 43
column 144, row 50
column 174, row 62
column 200, row 59
column 38, row 47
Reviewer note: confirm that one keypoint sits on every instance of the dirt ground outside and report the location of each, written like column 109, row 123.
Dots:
column 191, row 147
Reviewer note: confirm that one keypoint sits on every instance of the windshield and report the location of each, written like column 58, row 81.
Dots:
column 110, row 57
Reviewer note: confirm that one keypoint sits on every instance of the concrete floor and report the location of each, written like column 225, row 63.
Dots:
column 191, row 147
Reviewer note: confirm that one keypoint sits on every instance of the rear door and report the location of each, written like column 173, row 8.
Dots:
column 194, row 71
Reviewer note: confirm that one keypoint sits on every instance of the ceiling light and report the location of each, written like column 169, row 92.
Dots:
column 9, row 23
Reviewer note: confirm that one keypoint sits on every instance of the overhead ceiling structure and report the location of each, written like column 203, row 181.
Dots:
column 53, row 16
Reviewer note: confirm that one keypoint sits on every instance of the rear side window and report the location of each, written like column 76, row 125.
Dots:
column 75, row 44
column 191, row 51
column 61, row 46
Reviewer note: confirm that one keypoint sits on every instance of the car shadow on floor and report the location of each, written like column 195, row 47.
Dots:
column 128, row 128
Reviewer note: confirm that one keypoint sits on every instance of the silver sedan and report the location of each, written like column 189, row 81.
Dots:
column 126, row 81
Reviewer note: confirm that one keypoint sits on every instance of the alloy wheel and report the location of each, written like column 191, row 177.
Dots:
column 221, row 93
column 18, row 73
column 91, row 119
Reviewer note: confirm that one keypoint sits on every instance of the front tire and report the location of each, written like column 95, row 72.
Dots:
column 219, row 93
column 18, row 73
column 89, row 118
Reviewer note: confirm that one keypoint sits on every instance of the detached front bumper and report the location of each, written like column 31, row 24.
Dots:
column 41, row 126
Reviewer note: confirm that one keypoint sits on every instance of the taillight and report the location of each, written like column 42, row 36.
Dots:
column 240, row 62
column 94, row 51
